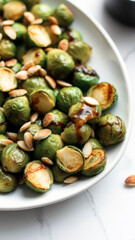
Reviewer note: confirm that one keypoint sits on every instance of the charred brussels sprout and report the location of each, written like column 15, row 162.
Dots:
column 105, row 94
column 42, row 10
column 71, row 35
column 70, row 159
column 80, row 51
column 14, row 159
column 14, row 10
column 38, row 176
column 111, row 129
column 95, row 143
column 67, row 97
column 33, row 129
column 20, row 30
column 84, row 77
column 7, row 49
column 48, row 147
column 63, row 15
column 16, row 68
column 43, row 100
column 2, row 98
column 17, row 110
column 1, row 146
column 59, row 63
column 2, row 123
column 30, row 3
column 59, row 174
column 94, row 164
column 8, row 80
column 8, row 182
column 37, row 55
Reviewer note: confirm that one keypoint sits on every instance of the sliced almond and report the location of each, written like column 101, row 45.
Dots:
column 64, row 84
column 37, row 21
column 7, row 22
column 53, row 20
column 34, row 117
column 91, row 101
column 47, row 161
column 48, row 49
column 50, row 81
column 71, row 179
column 87, row 149
column 2, row 64
column 10, row 32
column 92, row 133
column 29, row 16
column 63, row 45
column 1, row 36
column 48, row 118
column 12, row 136
column 56, row 29
column 6, row 142
column 27, row 65
column 11, row 63
column 17, row 92
column 42, row 72
column 42, row 134
column 33, row 70
column 25, row 126
column 22, row 75
column 23, row 146
column 28, row 139
column 130, row 181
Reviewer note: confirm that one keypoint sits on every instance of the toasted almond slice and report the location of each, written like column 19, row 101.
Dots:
column 50, row 81
column 48, row 49
column 71, row 179
column 130, row 181
column 48, row 118
column 47, row 161
column 7, row 22
column 55, row 29
column 37, row 21
column 27, row 65
column 33, row 70
column 12, row 136
column 63, row 45
column 92, row 133
column 11, row 63
column 42, row 72
column 2, row 64
column 53, row 20
column 25, row 126
column 91, row 101
column 34, row 117
column 29, row 16
column 1, row 36
column 42, row 134
column 64, row 84
column 6, row 142
column 87, row 149
column 10, row 32
column 22, row 75
column 28, row 139
column 23, row 146
column 17, row 92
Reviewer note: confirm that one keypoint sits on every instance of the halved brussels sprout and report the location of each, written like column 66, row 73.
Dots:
column 16, row 68
column 63, row 15
column 20, row 51
column 14, row 10
column 67, row 97
column 30, row 3
column 8, row 181
column 17, row 110
column 43, row 100
column 94, row 164
column 2, row 98
column 48, row 147
column 2, row 123
column 95, row 143
column 38, row 176
column 42, row 10
column 20, row 30
column 37, row 55
column 71, row 35
column 111, row 129
column 59, row 63
column 59, row 174
column 74, row 134
column 14, row 159
column 1, row 146
column 105, row 93
column 70, row 159
column 80, row 51
column 84, row 77
column 33, row 129
column 8, row 80
column 60, row 120
column 7, row 49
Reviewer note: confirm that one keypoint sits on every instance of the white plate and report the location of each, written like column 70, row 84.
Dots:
column 107, row 61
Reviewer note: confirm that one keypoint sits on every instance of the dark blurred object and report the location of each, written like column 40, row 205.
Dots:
column 122, row 10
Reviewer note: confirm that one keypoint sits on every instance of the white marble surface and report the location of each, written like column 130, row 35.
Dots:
column 107, row 210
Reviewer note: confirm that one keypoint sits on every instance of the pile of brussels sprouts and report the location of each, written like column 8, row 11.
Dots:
column 53, row 123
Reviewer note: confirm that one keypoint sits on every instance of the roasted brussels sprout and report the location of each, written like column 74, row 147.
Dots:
column 7, row 49
column 94, row 164
column 2, row 123
column 59, row 174
column 95, row 143
column 1, row 146
column 67, row 97
column 70, row 159
column 30, row 3
column 48, row 147
column 105, row 93
column 20, row 30
column 42, row 100
column 111, row 129
column 38, row 176
column 63, row 15
column 8, row 80
column 84, row 77
column 59, row 64
column 42, row 10
column 20, row 51
column 74, row 134
column 14, row 159
column 80, row 51
column 71, row 35
column 16, row 68
column 8, row 182
column 14, row 10
column 2, row 98
column 33, row 129
column 17, row 110
column 36, row 55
